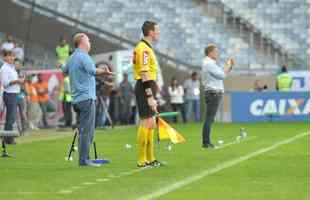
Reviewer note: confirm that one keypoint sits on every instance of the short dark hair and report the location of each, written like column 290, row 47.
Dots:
column 194, row 74
column 209, row 49
column 8, row 53
column 283, row 69
column 147, row 27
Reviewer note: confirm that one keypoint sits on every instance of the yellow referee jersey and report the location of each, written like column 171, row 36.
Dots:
column 144, row 60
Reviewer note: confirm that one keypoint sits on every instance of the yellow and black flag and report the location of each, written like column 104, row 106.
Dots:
column 166, row 132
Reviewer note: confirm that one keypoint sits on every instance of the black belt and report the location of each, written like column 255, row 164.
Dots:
column 214, row 91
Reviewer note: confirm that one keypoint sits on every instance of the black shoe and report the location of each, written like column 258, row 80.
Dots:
column 141, row 166
column 208, row 145
column 155, row 163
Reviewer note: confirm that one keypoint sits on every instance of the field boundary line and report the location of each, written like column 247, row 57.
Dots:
column 196, row 177
column 236, row 142
column 48, row 138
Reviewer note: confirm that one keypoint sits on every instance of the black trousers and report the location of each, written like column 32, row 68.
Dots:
column 67, row 108
column 10, row 101
column 43, row 106
column 179, row 107
column 213, row 100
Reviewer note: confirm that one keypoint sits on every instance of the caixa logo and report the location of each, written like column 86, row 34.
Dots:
column 262, row 107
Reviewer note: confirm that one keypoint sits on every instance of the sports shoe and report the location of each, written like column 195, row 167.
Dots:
column 141, row 166
column 90, row 164
column 155, row 163
column 209, row 145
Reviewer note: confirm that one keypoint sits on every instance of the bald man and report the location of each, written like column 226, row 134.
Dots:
column 82, row 71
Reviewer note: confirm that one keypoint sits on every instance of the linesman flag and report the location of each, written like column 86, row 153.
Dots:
column 166, row 132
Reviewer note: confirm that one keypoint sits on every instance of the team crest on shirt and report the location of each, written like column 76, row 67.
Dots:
column 145, row 57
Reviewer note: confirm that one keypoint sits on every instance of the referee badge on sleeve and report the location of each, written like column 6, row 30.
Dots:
column 145, row 57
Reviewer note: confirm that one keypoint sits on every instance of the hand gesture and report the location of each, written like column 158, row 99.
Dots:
column 230, row 62
column 107, row 71
column 21, row 80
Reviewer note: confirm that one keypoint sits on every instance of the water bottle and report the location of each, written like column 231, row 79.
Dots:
column 243, row 133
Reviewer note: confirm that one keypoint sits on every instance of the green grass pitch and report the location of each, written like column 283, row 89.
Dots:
column 39, row 171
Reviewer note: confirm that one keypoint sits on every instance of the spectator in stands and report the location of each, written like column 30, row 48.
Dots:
column 192, row 97
column 8, row 45
column 11, row 84
column 62, row 50
column 42, row 90
column 281, row 67
column 213, row 81
column 19, row 51
column 284, row 80
column 33, row 109
column 100, row 103
column 127, row 94
column 114, row 106
column 104, row 85
column 176, row 93
column 66, row 98
column 259, row 87
column 21, row 97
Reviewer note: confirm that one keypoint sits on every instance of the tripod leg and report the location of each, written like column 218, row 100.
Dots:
column 73, row 142
column 95, row 151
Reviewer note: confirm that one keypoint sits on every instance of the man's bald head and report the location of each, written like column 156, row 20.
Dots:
column 81, row 41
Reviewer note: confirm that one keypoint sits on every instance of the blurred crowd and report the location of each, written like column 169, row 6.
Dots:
column 115, row 101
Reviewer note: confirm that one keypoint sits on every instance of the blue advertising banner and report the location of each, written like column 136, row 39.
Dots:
column 270, row 106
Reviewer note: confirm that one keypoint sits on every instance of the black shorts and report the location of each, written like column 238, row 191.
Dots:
column 144, row 109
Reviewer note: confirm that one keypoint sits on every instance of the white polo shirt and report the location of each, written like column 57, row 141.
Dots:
column 8, row 74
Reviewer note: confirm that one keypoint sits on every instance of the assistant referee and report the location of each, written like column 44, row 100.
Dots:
column 145, row 73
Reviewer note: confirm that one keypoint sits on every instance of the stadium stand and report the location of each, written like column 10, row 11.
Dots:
column 37, row 55
column 281, row 25
column 181, row 22
column 283, row 21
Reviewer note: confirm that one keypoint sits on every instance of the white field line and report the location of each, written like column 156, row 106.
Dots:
column 111, row 176
column 128, row 173
column 83, row 185
column 100, row 180
column 54, row 136
column 25, row 140
column 236, row 142
column 191, row 179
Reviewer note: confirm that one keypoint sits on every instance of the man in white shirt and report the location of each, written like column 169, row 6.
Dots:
column 8, row 45
column 213, row 82
column 11, row 84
